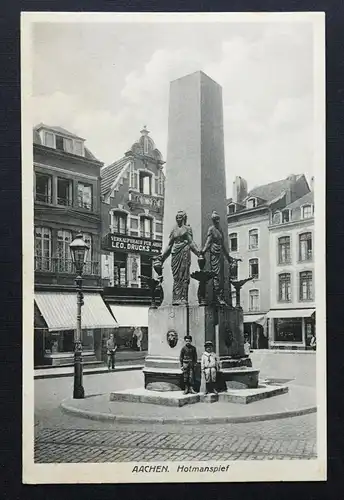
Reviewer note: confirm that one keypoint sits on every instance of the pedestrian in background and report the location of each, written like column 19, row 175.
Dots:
column 247, row 347
column 111, row 348
column 139, row 338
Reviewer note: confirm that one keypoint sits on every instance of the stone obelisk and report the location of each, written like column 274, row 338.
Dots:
column 196, row 184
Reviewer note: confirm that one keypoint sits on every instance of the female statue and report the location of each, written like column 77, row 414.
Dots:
column 179, row 247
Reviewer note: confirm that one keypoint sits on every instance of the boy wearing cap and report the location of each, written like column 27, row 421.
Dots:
column 188, row 360
column 210, row 366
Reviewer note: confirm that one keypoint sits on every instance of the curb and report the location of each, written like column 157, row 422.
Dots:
column 110, row 417
column 89, row 372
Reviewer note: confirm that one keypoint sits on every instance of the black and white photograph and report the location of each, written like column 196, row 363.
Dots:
column 173, row 180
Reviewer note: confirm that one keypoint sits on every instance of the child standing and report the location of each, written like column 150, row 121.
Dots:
column 188, row 360
column 210, row 366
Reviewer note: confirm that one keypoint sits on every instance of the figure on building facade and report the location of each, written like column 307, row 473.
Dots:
column 215, row 244
column 180, row 246
column 188, row 360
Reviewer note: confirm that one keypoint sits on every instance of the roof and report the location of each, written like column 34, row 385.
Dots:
column 110, row 173
column 307, row 198
column 269, row 192
column 59, row 130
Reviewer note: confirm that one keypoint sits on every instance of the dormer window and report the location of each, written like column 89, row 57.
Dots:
column 285, row 216
column 276, row 218
column 62, row 143
column 231, row 209
column 307, row 211
column 251, row 203
column 49, row 140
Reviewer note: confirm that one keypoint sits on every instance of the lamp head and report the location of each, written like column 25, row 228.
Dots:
column 79, row 249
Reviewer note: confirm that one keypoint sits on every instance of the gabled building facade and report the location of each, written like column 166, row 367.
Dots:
column 292, row 292
column 132, row 191
column 248, row 216
column 66, row 202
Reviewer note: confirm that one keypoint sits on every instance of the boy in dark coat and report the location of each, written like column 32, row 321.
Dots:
column 188, row 360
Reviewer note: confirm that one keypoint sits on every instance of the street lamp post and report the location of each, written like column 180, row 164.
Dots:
column 79, row 251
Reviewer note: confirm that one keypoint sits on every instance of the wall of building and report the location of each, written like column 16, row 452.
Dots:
column 242, row 224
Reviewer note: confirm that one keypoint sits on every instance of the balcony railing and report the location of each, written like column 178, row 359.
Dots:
column 43, row 197
column 66, row 202
column 55, row 265
column 146, row 200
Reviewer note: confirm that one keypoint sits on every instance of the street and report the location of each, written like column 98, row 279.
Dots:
column 66, row 438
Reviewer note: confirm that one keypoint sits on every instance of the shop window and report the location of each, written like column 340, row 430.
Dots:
column 55, row 342
column 120, row 269
column 146, row 227
column 306, row 285
column 43, row 188
column 88, row 340
column 119, row 222
column 43, row 249
column 305, row 246
column 146, row 269
column 145, row 183
column 233, row 242
column 254, row 268
column 64, row 262
column 253, row 239
column 64, row 192
column 307, row 211
column 85, row 196
column 288, row 330
column 254, row 300
column 284, row 250
column 284, row 287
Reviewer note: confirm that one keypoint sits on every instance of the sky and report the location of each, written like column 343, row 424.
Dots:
column 105, row 81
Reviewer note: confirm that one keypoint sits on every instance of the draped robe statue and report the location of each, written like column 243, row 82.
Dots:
column 180, row 246
column 216, row 247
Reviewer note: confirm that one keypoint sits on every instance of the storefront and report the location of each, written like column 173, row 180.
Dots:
column 256, row 330
column 132, row 323
column 55, row 327
column 291, row 328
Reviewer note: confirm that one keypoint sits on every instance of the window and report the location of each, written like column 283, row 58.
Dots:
column 306, row 285
column 284, row 289
column 88, row 264
column 160, row 187
column 85, row 196
column 133, row 177
column 251, row 203
column 233, row 271
column 145, row 145
column 254, row 300
column 276, row 218
column 64, row 192
column 42, row 249
column 78, row 149
column 49, row 139
column 288, row 330
column 64, row 263
column 145, row 183
column 233, row 242
column 253, row 239
column 230, row 209
column 234, row 299
column 43, row 188
column 146, row 269
column 64, row 144
column 307, row 211
column 284, row 250
column 254, row 268
column 120, row 269
column 119, row 222
column 146, row 227
column 285, row 216
column 305, row 244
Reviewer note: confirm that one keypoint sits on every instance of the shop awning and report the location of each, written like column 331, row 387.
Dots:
column 59, row 311
column 130, row 315
column 253, row 318
column 291, row 313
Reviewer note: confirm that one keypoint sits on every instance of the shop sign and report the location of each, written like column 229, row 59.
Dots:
column 129, row 244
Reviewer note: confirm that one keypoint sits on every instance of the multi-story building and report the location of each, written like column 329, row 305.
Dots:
column 66, row 202
column 132, row 190
column 292, row 300
column 248, row 215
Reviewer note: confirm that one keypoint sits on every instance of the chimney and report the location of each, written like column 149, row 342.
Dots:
column 239, row 189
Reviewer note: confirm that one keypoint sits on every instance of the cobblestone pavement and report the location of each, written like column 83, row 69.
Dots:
column 292, row 438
